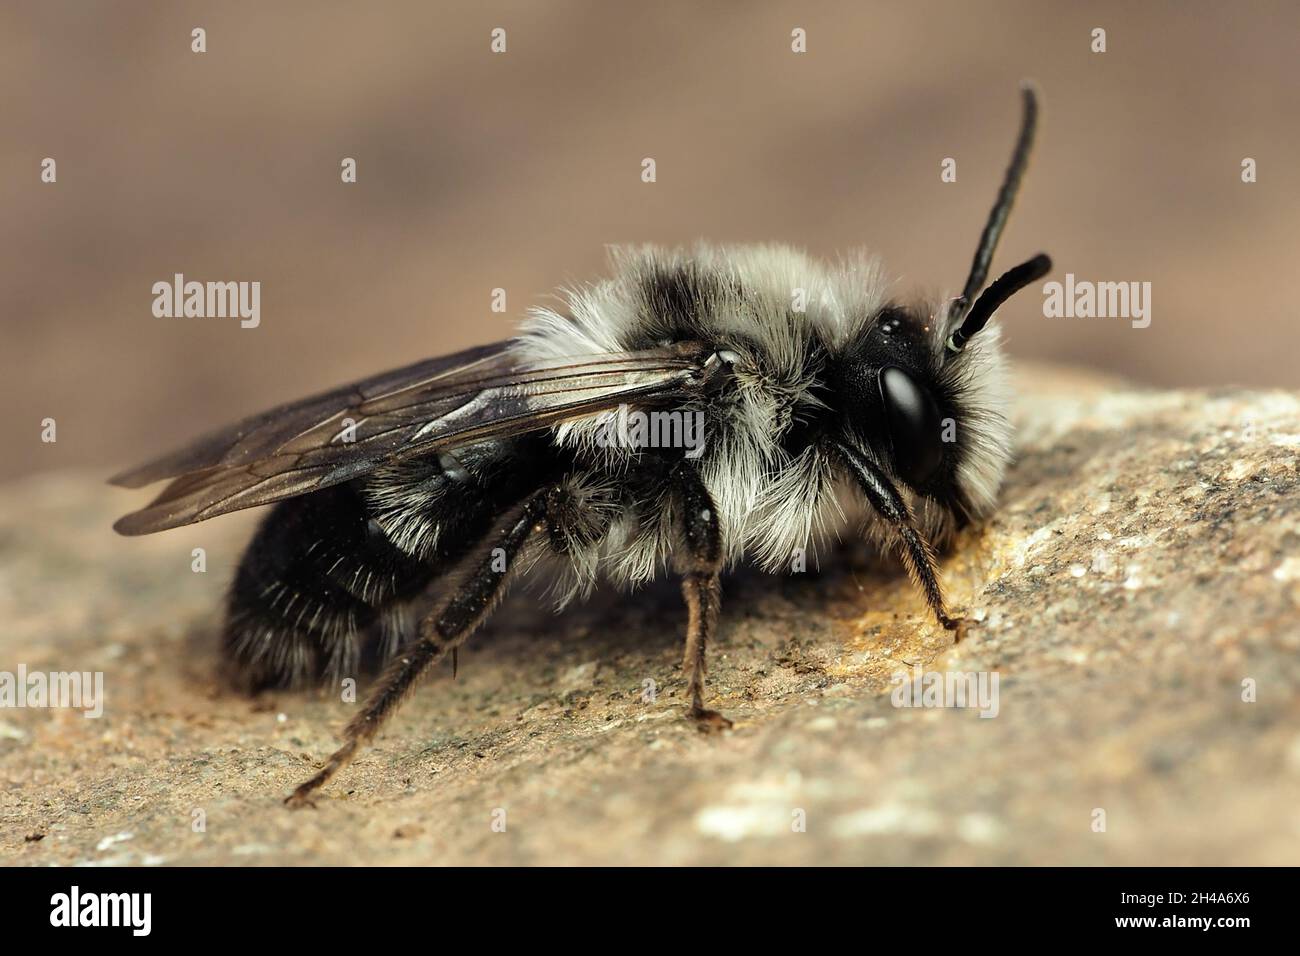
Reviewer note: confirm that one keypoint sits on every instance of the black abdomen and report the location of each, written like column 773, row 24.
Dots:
column 321, row 591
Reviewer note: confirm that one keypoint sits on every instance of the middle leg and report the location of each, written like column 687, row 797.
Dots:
column 701, row 584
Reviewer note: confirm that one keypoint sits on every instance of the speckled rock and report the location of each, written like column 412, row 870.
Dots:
column 1137, row 600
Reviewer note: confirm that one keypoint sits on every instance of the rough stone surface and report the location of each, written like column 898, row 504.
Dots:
column 1145, row 563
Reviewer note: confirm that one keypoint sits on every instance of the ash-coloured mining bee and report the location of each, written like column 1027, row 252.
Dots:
column 447, row 476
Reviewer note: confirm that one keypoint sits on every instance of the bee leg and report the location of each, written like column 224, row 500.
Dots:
column 916, row 552
column 701, row 586
column 441, row 632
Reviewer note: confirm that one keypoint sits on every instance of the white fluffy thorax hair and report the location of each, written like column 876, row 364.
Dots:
column 779, row 317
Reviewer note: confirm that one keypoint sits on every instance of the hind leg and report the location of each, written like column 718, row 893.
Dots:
column 441, row 632
column 321, row 590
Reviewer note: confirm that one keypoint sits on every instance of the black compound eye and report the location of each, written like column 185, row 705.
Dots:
column 914, row 425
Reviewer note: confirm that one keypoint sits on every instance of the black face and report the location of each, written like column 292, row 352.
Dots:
column 891, row 399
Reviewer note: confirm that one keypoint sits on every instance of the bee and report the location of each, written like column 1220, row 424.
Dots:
column 819, row 394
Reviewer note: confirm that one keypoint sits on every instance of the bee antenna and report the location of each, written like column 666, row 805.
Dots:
column 991, row 299
column 979, row 269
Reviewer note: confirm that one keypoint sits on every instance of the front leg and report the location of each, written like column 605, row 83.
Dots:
column 916, row 553
column 701, row 586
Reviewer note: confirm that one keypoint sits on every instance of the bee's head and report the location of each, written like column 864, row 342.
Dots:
column 924, row 389
column 895, row 400
column 933, row 419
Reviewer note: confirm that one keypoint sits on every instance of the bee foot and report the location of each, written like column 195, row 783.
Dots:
column 710, row 721
column 302, row 797
column 959, row 627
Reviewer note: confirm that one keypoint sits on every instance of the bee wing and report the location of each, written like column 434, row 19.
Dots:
column 481, row 393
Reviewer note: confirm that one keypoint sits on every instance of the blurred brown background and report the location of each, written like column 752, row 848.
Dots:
column 479, row 170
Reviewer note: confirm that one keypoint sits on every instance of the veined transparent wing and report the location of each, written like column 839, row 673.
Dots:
column 481, row 393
